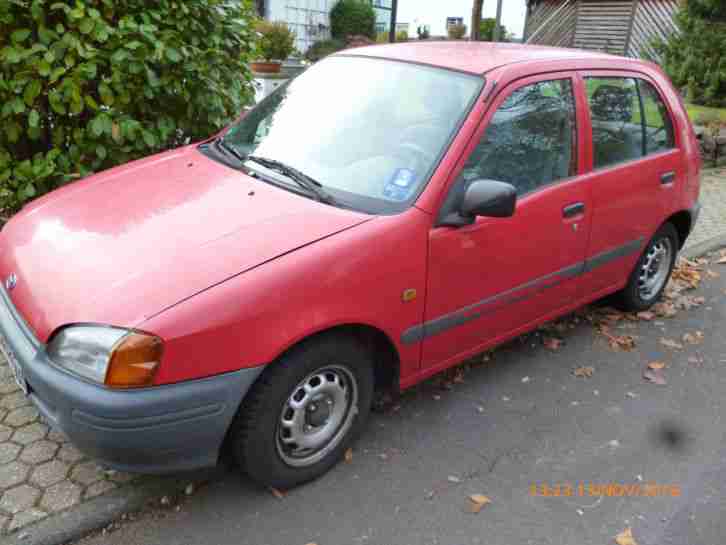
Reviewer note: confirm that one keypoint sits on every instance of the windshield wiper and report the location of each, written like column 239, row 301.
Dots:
column 303, row 180
column 229, row 150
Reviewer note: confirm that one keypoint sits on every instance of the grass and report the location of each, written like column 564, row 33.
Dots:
column 696, row 112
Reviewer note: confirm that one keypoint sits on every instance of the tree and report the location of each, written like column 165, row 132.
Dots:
column 476, row 11
column 486, row 30
column 693, row 57
column 89, row 84
column 352, row 18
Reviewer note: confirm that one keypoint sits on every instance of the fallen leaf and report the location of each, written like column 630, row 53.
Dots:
column 617, row 342
column 721, row 260
column 688, row 302
column 693, row 338
column 625, row 538
column 277, row 493
column 712, row 274
column 584, row 372
column 552, row 343
column 349, row 455
column 477, row 501
column 670, row 343
column 655, row 376
column 646, row 315
column 665, row 310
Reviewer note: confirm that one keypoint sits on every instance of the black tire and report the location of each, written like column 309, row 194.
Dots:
column 630, row 299
column 255, row 432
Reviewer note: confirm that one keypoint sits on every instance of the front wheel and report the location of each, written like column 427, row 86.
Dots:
column 304, row 412
column 651, row 273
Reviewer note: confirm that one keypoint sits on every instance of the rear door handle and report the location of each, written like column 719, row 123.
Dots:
column 667, row 177
column 573, row 209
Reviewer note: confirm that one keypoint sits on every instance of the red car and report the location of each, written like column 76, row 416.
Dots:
column 387, row 214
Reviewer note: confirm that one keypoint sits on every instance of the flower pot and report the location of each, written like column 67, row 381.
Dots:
column 266, row 67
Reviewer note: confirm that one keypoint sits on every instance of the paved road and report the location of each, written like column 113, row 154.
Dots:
column 519, row 419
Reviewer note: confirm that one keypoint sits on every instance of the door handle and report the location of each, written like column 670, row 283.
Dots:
column 573, row 209
column 667, row 177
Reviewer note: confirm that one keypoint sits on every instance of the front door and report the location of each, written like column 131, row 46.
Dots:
column 492, row 278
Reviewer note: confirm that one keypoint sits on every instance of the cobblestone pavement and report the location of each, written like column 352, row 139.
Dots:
column 712, row 222
column 41, row 473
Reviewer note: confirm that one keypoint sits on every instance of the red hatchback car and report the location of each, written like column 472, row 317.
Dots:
column 390, row 212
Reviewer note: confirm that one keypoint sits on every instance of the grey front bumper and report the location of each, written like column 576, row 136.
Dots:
column 152, row 430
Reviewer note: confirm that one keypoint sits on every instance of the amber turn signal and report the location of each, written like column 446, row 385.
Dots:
column 134, row 361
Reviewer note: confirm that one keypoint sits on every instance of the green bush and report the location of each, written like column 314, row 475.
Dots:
column 693, row 57
column 352, row 18
column 323, row 48
column 457, row 32
column 486, row 30
column 89, row 84
column 276, row 42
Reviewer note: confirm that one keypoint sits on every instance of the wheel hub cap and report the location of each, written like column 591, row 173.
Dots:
column 655, row 268
column 316, row 416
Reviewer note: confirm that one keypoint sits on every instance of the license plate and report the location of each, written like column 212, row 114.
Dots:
column 14, row 365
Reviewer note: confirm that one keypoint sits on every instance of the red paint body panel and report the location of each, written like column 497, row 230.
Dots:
column 126, row 244
column 176, row 244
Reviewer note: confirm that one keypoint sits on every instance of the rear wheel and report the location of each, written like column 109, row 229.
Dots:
column 304, row 412
column 651, row 273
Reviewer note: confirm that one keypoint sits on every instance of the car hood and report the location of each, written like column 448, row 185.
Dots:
column 124, row 245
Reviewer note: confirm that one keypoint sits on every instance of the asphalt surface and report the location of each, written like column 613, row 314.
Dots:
column 519, row 419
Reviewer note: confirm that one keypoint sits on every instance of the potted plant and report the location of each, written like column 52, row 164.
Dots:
column 275, row 43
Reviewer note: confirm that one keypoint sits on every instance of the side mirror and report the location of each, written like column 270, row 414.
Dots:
column 489, row 198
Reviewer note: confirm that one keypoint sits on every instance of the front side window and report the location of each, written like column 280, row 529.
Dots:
column 530, row 141
column 370, row 131
column 629, row 120
column 658, row 124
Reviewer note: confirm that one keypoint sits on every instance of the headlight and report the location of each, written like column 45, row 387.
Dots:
column 116, row 357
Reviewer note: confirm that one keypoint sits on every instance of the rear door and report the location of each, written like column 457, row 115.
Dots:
column 497, row 275
column 635, row 167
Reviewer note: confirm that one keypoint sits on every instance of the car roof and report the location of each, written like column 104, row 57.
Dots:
column 474, row 57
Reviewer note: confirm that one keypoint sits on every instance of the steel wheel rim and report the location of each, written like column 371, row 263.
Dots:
column 316, row 416
column 653, row 273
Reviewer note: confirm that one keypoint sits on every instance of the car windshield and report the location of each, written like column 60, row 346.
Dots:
column 369, row 131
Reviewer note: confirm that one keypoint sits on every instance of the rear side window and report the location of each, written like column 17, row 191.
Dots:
column 531, row 139
column 629, row 120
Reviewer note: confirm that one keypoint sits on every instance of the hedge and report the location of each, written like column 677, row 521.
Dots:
column 89, row 84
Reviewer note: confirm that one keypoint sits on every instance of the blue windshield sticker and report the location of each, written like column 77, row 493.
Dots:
column 401, row 185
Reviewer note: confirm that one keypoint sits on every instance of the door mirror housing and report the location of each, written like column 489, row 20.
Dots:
column 488, row 198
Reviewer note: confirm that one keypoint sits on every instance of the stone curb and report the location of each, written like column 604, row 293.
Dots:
column 709, row 245
column 77, row 522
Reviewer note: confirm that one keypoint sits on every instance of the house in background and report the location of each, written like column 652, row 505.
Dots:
column 621, row 27
column 310, row 19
